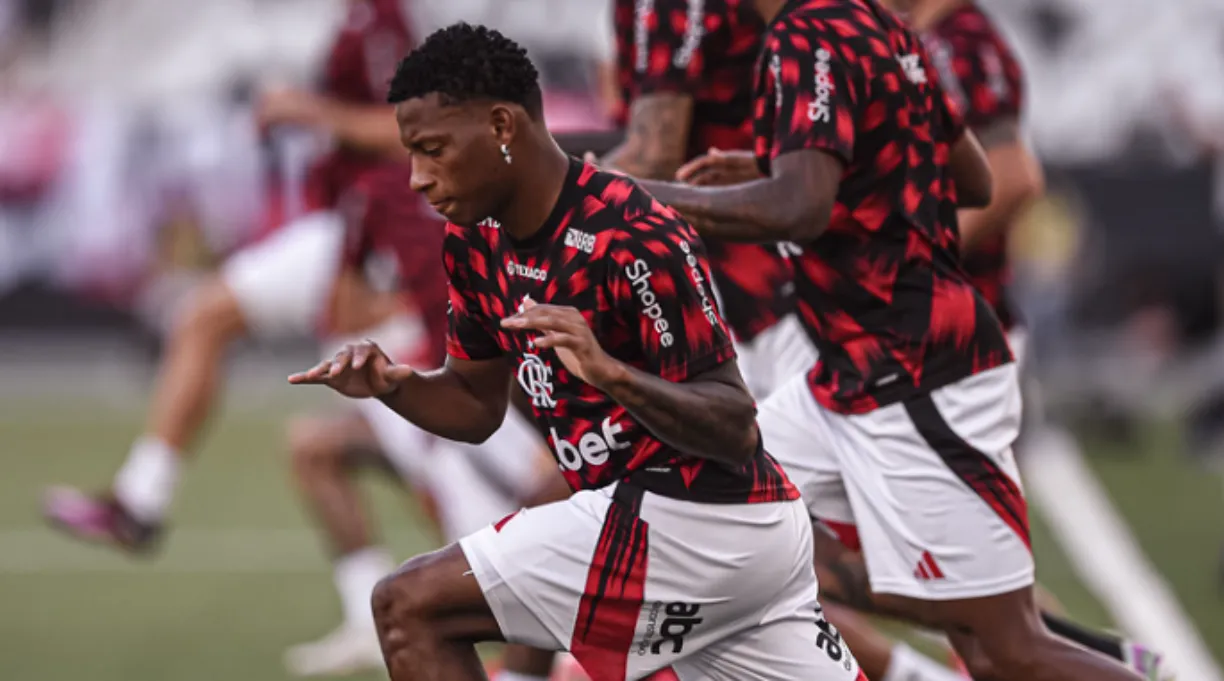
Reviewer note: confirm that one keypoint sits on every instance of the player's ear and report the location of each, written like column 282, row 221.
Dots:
column 503, row 124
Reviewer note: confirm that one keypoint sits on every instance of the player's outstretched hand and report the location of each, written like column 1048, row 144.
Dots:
column 565, row 330
column 720, row 167
column 358, row 370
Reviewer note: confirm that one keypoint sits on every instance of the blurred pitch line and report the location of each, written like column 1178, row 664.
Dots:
column 1106, row 555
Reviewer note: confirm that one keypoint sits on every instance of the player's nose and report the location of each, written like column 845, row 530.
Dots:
column 421, row 180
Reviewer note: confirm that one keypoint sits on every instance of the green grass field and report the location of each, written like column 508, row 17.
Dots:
column 241, row 576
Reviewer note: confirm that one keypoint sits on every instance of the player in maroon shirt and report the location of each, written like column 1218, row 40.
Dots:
column 905, row 425
column 685, row 545
column 685, row 68
column 280, row 286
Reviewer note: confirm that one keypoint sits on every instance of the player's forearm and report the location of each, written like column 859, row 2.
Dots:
column 760, row 211
column 657, row 137
column 443, row 403
column 365, row 127
column 707, row 419
column 1018, row 182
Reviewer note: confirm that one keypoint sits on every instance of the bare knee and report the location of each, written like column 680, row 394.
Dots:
column 210, row 315
column 404, row 602
column 311, row 443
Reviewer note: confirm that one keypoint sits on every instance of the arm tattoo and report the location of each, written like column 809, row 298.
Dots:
column 711, row 416
column 656, row 144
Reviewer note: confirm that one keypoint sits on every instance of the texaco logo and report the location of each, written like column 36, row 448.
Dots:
column 536, row 378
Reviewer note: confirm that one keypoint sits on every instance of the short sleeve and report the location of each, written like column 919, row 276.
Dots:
column 469, row 332
column 981, row 76
column 813, row 85
column 949, row 100
column 659, row 285
column 668, row 37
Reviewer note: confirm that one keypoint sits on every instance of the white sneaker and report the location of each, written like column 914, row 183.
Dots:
column 347, row 650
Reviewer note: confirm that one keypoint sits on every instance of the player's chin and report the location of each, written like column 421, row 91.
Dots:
column 462, row 213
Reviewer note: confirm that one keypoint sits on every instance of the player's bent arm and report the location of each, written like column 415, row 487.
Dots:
column 364, row 127
column 971, row 172
column 656, row 141
column 710, row 416
column 793, row 204
column 1018, row 180
column 465, row 400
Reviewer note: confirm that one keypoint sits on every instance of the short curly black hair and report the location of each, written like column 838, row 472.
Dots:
column 463, row 62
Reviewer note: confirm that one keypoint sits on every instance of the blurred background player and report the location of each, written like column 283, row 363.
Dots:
column 279, row 286
column 685, row 71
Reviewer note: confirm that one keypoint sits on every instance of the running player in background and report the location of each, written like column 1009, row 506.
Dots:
column 904, row 428
column 982, row 76
column 685, row 68
column 686, row 545
column 278, row 287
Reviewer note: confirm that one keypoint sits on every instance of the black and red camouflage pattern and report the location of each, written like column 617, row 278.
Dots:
column 882, row 291
column 638, row 274
column 707, row 49
column 979, row 71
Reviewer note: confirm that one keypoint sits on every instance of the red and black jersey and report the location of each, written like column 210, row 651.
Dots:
column 638, row 274
column 881, row 291
column 981, row 74
column 707, row 49
column 375, row 36
column 393, row 237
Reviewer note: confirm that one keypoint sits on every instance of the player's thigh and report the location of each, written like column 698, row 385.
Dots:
column 533, row 567
column 406, row 447
column 403, row 337
column 935, row 492
column 767, row 625
column 282, row 283
column 465, row 497
column 512, row 458
column 794, row 432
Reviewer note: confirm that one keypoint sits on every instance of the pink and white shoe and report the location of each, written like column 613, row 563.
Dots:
column 97, row 519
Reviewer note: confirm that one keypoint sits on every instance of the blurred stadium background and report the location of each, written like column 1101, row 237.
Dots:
column 129, row 165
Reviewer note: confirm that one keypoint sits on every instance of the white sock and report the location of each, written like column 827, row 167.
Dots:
column 909, row 665
column 356, row 576
column 146, row 483
column 515, row 676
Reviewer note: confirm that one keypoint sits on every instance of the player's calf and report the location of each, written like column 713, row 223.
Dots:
column 428, row 613
column 1001, row 638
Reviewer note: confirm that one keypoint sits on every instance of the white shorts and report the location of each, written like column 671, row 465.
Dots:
column 631, row 582
column 777, row 353
column 930, row 483
column 282, row 283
